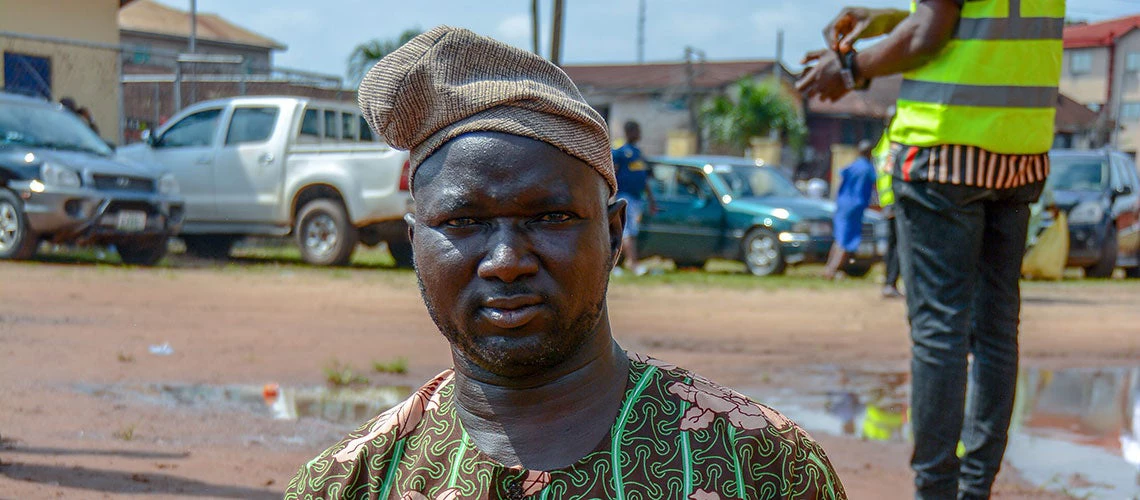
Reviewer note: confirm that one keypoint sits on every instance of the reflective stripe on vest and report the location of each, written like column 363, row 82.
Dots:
column 994, row 84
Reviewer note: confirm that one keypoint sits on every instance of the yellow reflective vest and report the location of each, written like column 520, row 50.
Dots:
column 882, row 154
column 994, row 84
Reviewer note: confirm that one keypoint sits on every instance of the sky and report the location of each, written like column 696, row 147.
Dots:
column 321, row 34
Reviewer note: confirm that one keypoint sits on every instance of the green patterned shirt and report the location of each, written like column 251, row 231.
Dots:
column 677, row 436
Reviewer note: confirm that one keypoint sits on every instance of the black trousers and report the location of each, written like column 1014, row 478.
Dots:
column 961, row 250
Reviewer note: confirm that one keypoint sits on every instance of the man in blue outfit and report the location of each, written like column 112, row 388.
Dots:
column 632, row 179
column 858, row 181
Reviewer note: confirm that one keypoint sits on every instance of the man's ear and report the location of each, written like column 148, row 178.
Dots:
column 616, row 216
column 410, row 220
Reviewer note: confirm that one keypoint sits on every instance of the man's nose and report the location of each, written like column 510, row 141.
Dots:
column 509, row 257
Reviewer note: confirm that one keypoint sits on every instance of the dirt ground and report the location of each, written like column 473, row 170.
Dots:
column 65, row 328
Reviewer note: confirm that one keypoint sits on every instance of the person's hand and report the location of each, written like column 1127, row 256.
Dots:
column 856, row 23
column 824, row 79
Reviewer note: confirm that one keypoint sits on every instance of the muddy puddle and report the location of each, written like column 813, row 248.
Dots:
column 1075, row 431
column 350, row 406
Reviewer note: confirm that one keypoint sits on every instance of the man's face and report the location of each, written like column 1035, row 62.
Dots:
column 513, row 243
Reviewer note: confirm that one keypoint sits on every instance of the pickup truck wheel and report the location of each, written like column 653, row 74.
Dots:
column 142, row 253
column 17, row 240
column 402, row 252
column 762, row 253
column 209, row 246
column 324, row 233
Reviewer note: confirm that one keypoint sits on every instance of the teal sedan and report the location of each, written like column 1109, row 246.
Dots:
column 713, row 207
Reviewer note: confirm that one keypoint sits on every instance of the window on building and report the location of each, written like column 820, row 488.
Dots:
column 28, row 75
column 1080, row 62
column 348, row 126
column 251, row 125
column 1132, row 61
column 1130, row 112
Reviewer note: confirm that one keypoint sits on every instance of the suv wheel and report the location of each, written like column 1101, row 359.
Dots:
column 17, row 240
column 1107, row 263
column 324, row 233
column 143, row 252
column 762, row 253
column 209, row 246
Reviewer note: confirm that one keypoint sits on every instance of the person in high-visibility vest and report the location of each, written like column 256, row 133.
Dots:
column 882, row 155
column 972, row 130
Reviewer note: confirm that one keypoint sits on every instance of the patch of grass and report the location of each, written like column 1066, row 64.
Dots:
column 729, row 274
column 287, row 253
column 127, row 433
column 125, row 358
column 397, row 366
column 339, row 374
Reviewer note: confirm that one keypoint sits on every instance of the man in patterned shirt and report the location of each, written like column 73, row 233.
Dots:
column 514, row 237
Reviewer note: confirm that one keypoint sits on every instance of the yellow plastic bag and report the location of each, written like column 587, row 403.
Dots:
column 1046, row 260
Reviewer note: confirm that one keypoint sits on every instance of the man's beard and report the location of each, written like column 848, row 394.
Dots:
column 518, row 357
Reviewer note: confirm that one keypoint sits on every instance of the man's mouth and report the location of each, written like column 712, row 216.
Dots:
column 511, row 312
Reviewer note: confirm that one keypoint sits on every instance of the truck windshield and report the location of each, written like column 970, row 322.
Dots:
column 45, row 127
column 1076, row 173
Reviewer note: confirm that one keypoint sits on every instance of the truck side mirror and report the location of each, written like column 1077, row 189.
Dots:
column 147, row 137
column 1122, row 191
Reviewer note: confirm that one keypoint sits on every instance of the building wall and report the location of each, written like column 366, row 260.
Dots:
column 1126, row 94
column 154, row 51
column 657, row 116
column 1086, row 88
column 88, row 75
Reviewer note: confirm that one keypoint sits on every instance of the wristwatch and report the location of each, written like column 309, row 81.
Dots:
column 848, row 71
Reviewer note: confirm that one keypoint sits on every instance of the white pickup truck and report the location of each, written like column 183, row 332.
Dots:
column 281, row 166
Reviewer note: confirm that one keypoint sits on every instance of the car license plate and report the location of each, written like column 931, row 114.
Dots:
column 131, row 221
column 866, row 249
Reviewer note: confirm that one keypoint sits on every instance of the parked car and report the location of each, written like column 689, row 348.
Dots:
column 60, row 182
column 731, row 208
column 1100, row 191
column 281, row 166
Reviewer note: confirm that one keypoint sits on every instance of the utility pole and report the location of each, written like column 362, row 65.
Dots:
column 534, row 26
column 691, row 72
column 780, row 46
column 556, row 34
column 641, row 33
column 193, row 48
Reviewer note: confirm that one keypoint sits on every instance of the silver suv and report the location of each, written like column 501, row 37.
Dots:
column 60, row 182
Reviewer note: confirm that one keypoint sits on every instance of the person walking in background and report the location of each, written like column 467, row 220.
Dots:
column 882, row 156
column 857, row 181
column 633, row 183
column 972, row 129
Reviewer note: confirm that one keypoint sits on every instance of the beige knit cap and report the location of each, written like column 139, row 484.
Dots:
column 450, row 81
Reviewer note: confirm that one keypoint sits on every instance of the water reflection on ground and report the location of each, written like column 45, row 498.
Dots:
column 1074, row 430
column 348, row 405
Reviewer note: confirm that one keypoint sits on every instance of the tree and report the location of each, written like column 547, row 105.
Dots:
column 753, row 109
column 367, row 54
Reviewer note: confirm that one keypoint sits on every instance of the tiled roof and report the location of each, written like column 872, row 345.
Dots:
column 1073, row 116
column 655, row 76
column 1100, row 34
column 148, row 16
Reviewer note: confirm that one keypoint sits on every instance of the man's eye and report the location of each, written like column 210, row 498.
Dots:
column 554, row 217
column 461, row 222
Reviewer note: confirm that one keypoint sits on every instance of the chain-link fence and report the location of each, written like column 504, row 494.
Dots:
column 129, row 88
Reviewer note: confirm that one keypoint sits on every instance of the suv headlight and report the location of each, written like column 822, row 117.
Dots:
column 1089, row 212
column 57, row 176
column 168, row 185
